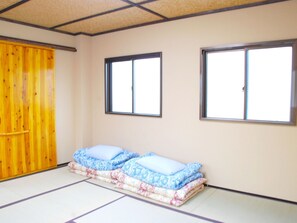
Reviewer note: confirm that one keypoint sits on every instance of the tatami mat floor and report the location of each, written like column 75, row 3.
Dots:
column 60, row 196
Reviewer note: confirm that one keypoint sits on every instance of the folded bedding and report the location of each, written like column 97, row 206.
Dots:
column 158, row 197
column 87, row 159
column 174, row 181
column 150, row 175
column 180, row 194
column 109, row 176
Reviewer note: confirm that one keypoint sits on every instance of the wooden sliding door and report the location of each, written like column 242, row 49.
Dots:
column 27, row 114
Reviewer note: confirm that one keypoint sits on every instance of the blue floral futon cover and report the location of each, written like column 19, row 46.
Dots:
column 175, row 181
column 83, row 159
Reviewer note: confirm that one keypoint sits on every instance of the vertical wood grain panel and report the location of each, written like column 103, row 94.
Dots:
column 3, row 172
column 43, row 109
column 36, row 107
column 16, row 108
column 51, row 97
column 26, row 107
column 27, row 101
column 45, row 95
column 19, row 108
column 52, row 106
column 13, row 148
column 7, row 83
column 29, row 69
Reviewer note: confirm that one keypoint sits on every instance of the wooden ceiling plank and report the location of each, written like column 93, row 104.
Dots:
column 49, row 13
column 174, row 9
column 115, row 20
column 194, row 15
column 127, row 27
column 91, row 16
column 13, row 6
column 150, row 8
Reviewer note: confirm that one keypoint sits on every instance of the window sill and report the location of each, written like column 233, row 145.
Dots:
column 248, row 121
column 134, row 114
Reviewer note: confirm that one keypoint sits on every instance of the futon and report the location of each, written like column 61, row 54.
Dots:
column 149, row 175
column 154, row 177
column 168, row 196
column 100, row 162
column 161, row 179
column 109, row 176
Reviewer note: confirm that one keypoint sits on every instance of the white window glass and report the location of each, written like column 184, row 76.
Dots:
column 147, row 86
column 122, row 86
column 269, row 84
column 225, row 83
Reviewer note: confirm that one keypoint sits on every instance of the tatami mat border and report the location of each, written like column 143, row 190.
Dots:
column 155, row 204
column 176, row 210
column 133, row 197
column 43, row 193
column 73, row 220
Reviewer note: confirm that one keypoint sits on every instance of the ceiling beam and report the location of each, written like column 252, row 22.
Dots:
column 139, row 5
column 13, row 6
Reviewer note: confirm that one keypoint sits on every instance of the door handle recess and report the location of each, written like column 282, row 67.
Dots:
column 14, row 133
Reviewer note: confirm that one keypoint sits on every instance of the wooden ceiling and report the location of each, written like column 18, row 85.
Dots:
column 95, row 17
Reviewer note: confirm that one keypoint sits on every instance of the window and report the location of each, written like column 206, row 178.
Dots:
column 133, row 85
column 254, row 82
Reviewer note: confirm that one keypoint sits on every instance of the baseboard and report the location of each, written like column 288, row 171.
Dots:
column 252, row 194
column 35, row 172
column 62, row 164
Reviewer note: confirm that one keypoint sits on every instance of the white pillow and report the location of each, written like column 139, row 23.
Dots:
column 104, row 152
column 161, row 164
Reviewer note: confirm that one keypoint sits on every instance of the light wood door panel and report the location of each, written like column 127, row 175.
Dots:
column 27, row 114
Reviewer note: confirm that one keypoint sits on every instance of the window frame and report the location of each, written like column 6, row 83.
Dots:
column 108, row 82
column 248, row 46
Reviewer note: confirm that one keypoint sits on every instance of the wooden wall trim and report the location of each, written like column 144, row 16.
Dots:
column 42, row 44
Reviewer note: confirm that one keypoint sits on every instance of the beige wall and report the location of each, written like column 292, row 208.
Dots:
column 31, row 33
column 65, row 105
column 82, row 93
column 65, row 80
column 256, row 158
